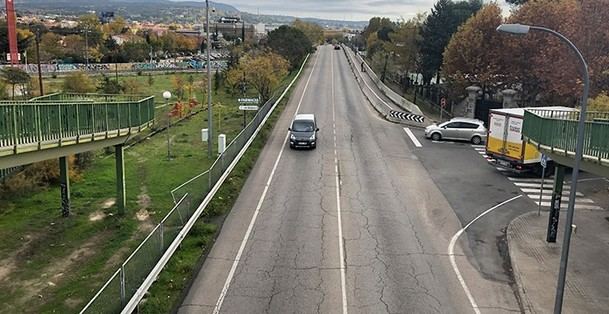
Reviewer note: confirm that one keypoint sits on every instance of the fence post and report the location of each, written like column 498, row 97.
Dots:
column 162, row 237
column 123, row 286
column 107, row 127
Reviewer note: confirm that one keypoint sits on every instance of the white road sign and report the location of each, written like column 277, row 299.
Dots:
column 253, row 108
column 248, row 100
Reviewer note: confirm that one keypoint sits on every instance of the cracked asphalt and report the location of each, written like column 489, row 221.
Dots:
column 396, row 223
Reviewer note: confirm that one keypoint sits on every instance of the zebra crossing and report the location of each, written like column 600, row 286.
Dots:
column 531, row 187
column 481, row 149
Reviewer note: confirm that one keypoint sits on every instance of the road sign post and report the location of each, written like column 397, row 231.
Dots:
column 442, row 106
column 247, row 104
column 544, row 164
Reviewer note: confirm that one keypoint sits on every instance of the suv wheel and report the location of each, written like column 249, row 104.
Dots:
column 476, row 140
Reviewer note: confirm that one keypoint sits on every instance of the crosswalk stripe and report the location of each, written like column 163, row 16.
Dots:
column 549, row 179
column 536, row 185
column 577, row 206
column 478, row 146
column 564, row 198
column 536, row 191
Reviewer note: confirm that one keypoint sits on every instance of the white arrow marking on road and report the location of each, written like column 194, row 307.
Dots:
column 451, row 253
column 412, row 137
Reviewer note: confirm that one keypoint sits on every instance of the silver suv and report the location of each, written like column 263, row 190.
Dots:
column 466, row 129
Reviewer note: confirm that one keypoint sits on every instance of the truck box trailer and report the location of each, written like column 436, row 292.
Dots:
column 505, row 144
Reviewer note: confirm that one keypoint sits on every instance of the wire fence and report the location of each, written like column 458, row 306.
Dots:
column 125, row 282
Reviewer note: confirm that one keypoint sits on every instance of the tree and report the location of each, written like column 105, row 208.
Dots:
column 110, row 86
column 132, row 86
column 440, row 25
column 78, row 82
column 263, row 72
column 475, row 53
column 178, row 87
column 24, row 37
column 15, row 76
column 291, row 43
column 3, row 92
column 540, row 64
column 403, row 43
column 313, row 31
column 600, row 103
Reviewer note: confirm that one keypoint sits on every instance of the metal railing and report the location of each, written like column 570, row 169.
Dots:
column 557, row 130
column 115, row 295
column 124, row 283
column 60, row 116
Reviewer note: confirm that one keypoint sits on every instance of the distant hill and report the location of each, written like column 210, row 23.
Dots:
column 181, row 11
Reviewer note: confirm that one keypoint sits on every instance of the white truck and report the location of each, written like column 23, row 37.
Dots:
column 505, row 144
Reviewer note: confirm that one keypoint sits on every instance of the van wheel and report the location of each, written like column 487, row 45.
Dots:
column 476, row 140
column 436, row 137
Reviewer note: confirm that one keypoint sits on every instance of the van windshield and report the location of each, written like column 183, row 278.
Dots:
column 303, row 126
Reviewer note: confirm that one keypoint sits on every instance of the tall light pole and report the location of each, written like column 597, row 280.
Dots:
column 579, row 148
column 167, row 96
column 208, row 66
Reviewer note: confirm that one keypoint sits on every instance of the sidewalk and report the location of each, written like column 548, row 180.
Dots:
column 535, row 262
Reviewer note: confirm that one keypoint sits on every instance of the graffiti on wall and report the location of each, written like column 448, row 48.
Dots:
column 121, row 67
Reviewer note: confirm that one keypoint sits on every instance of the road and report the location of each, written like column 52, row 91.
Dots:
column 362, row 224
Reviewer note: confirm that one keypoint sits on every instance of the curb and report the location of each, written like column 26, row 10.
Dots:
column 522, row 294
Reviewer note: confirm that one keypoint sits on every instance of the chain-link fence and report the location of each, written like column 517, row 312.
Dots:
column 123, row 285
column 117, row 291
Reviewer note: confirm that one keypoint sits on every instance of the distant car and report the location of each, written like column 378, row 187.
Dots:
column 336, row 47
column 465, row 129
column 303, row 132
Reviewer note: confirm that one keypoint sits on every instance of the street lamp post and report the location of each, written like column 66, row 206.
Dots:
column 579, row 147
column 208, row 66
column 167, row 96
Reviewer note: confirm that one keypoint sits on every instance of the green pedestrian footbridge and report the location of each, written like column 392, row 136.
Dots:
column 62, row 124
column 554, row 133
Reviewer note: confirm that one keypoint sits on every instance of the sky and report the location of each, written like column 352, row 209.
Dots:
column 353, row 10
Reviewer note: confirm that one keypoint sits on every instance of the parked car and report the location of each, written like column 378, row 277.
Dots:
column 336, row 47
column 303, row 132
column 465, row 129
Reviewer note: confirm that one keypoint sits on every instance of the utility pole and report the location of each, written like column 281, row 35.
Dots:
column 87, row 47
column 38, row 58
column 210, row 134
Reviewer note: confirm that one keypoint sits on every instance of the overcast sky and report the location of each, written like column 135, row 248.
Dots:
column 337, row 9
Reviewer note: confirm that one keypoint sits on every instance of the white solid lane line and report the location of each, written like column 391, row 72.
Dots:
column 451, row 253
column 413, row 138
column 341, row 250
column 260, row 201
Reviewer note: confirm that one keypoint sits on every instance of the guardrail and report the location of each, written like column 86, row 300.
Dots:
column 557, row 130
column 118, row 294
column 68, row 118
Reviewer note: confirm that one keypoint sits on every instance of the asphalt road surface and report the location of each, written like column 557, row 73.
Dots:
column 359, row 225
